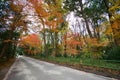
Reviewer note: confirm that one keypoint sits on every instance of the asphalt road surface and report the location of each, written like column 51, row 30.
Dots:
column 26, row 68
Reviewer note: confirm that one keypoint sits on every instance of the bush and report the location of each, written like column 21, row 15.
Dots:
column 93, row 52
column 112, row 53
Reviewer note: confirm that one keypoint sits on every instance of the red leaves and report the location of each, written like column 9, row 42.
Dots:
column 32, row 40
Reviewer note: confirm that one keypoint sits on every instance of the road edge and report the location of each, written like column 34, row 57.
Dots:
column 9, row 71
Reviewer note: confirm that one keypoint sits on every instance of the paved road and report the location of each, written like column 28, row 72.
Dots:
column 26, row 68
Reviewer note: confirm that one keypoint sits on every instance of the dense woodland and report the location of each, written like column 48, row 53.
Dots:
column 60, row 28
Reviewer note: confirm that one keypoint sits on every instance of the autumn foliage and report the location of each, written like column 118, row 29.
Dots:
column 31, row 43
column 61, row 27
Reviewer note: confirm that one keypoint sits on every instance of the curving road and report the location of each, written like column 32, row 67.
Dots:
column 26, row 68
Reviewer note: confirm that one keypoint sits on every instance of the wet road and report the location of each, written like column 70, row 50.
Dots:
column 26, row 68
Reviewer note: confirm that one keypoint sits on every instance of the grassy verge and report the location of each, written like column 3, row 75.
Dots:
column 82, row 61
column 100, row 67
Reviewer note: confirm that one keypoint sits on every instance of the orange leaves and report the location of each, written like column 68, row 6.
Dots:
column 71, row 42
column 48, row 12
column 35, row 2
column 40, row 8
column 71, row 46
column 31, row 43
column 15, row 8
column 32, row 40
column 116, row 25
column 51, row 24
column 71, row 51
column 108, row 31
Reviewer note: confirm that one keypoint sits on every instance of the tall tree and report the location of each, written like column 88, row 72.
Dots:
column 112, row 7
column 78, row 7
column 51, row 15
column 94, row 11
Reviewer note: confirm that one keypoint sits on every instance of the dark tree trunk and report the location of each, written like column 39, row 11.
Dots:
column 85, row 18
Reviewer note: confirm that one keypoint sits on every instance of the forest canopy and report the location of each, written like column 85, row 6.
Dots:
column 68, row 28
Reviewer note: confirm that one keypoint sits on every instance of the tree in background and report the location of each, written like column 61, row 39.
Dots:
column 31, row 44
column 94, row 14
column 51, row 15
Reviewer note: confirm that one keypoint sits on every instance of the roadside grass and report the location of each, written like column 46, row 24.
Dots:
column 84, row 61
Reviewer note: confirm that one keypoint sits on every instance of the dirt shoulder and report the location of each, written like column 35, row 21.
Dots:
column 4, row 67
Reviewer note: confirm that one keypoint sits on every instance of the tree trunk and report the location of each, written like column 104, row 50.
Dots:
column 106, row 2
column 65, row 45
column 44, row 37
column 85, row 18
column 2, row 54
column 56, row 44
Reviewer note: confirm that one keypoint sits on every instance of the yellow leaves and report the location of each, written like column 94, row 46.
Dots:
column 115, row 17
column 114, row 9
column 116, row 28
column 108, row 31
column 93, row 42
column 115, row 2
column 115, row 20
column 94, row 48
